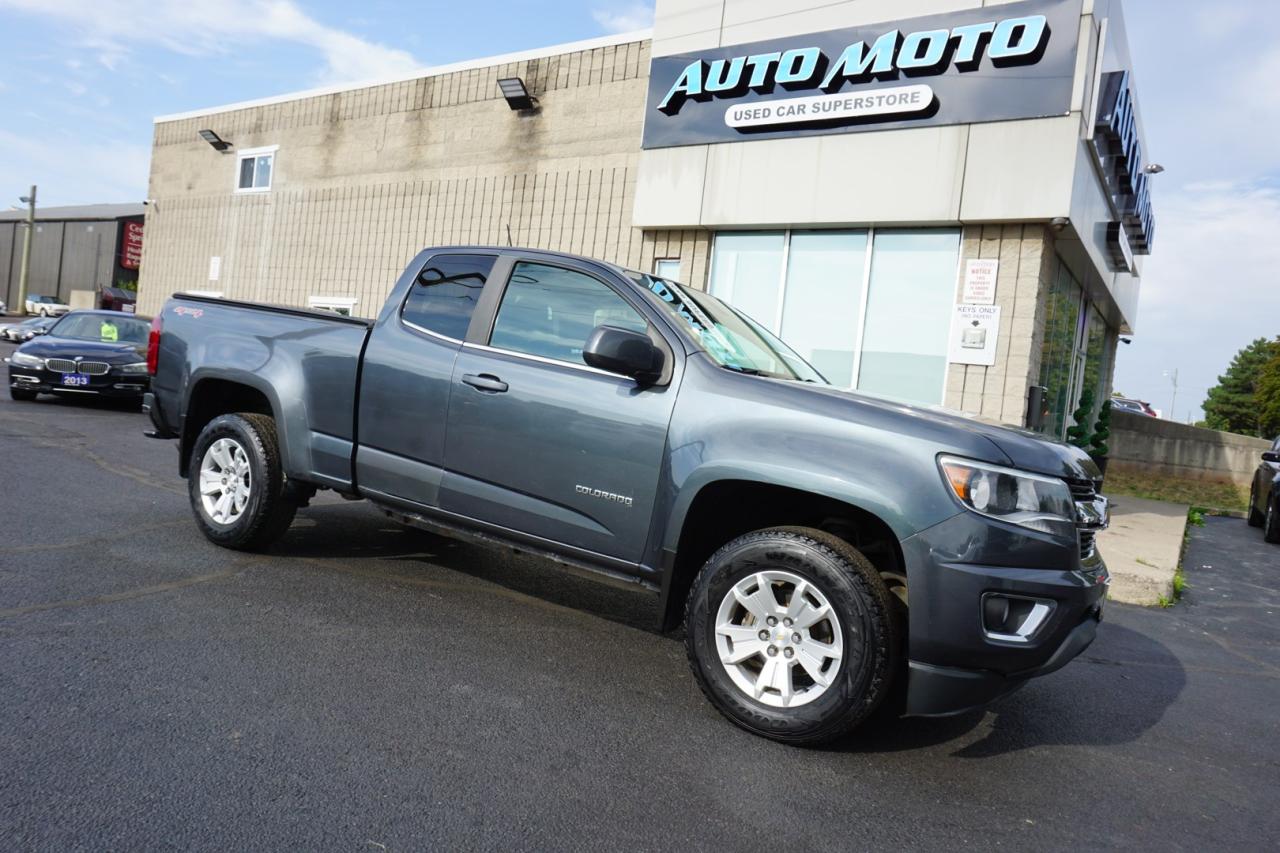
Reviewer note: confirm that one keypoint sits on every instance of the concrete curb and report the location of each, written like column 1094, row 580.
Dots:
column 1143, row 548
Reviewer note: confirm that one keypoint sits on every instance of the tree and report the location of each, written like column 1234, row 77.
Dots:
column 1232, row 404
column 1101, row 432
column 1079, row 433
column 1269, row 395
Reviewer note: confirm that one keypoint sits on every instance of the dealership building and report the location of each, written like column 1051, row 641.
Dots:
column 943, row 201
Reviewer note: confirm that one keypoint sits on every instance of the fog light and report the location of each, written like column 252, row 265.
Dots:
column 1013, row 618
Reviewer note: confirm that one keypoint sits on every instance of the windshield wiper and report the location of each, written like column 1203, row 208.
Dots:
column 752, row 371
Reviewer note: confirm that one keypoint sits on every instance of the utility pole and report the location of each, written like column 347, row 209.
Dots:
column 1173, row 377
column 25, row 270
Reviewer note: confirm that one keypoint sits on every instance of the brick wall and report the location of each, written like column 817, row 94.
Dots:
column 364, row 179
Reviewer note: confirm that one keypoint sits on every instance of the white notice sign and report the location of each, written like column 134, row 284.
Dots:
column 980, row 281
column 975, row 330
column 215, row 268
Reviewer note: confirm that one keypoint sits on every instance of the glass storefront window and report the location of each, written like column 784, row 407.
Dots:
column 1059, row 355
column 745, row 273
column 823, row 300
column 811, row 288
column 913, row 287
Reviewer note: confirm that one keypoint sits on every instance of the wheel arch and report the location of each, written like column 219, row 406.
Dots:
column 213, row 396
column 721, row 509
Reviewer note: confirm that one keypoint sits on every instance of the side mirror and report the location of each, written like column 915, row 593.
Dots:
column 1270, row 456
column 623, row 351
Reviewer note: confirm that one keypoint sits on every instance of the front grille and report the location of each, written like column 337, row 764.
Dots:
column 88, row 368
column 1082, row 490
column 1087, row 543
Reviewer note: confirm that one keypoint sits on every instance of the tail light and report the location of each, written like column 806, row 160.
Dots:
column 153, row 345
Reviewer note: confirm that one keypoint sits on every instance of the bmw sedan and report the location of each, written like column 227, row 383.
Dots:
column 102, row 353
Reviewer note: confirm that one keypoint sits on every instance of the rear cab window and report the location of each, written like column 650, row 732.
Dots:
column 444, row 296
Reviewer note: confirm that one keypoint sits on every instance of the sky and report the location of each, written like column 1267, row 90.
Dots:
column 81, row 80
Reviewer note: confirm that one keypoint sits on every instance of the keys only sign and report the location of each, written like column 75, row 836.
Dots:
column 1000, row 62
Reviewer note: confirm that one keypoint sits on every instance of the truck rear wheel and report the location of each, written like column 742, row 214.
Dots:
column 237, row 487
column 791, row 634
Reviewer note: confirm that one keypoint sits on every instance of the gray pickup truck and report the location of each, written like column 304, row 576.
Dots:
column 824, row 550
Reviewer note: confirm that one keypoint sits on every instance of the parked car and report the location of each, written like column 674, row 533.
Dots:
column 818, row 545
column 27, row 329
column 46, row 306
column 4, row 309
column 1264, row 494
column 85, row 352
column 1135, row 407
column 117, row 299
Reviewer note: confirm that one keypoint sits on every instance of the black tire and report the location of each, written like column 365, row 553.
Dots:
column 270, row 508
column 861, row 601
column 1271, row 527
column 22, row 395
column 1255, row 518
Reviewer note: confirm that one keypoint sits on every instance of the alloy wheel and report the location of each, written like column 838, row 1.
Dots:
column 226, row 481
column 779, row 638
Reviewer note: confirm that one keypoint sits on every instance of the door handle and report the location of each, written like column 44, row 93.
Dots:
column 485, row 382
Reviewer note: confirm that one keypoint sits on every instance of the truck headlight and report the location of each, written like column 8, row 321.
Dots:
column 23, row 360
column 1017, row 497
column 138, row 367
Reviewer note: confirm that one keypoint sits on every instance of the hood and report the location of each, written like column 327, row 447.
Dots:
column 1021, row 448
column 48, row 346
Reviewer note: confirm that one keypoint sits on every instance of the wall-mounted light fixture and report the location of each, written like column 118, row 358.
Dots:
column 1154, row 169
column 517, row 94
column 218, row 143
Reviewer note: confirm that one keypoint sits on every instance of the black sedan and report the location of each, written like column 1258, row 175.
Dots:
column 102, row 353
column 1264, row 494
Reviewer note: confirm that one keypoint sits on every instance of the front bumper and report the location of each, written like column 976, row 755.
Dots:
column 112, row 384
column 957, row 661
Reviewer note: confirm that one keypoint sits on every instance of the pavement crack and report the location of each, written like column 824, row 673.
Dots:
column 70, row 441
column 127, row 595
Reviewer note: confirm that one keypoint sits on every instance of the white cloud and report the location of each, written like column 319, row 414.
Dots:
column 110, row 30
column 624, row 18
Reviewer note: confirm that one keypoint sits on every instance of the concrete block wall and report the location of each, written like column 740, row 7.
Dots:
column 364, row 179
column 1143, row 445
column 1025, row 274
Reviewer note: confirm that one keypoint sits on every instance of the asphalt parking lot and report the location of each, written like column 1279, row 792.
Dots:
column 364, row 687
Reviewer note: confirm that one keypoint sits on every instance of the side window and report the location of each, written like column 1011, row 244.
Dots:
column 446, row 292
column 550, row 312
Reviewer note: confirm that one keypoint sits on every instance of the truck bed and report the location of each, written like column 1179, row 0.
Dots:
column 306, row 363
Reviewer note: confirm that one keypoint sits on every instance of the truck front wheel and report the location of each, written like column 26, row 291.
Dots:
column 791, row 634
column 236, row 484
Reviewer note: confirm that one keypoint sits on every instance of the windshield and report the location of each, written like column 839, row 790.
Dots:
column 102, row 328
column 39, row 298
column 732, row 339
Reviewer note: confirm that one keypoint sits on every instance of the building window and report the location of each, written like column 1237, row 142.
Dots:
column 551, row 311
column 668, row 268
column 445, row 294
column 1061, row 358
column 908, row 317
column 254, row 168
column 343, row 305
column 869, row 309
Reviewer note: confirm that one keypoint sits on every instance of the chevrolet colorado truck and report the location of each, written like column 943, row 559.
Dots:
column 822, row 549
